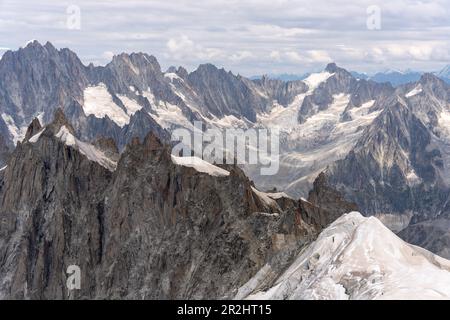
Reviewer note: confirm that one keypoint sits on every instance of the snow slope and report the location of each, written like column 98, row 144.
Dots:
column 315, row 79
column 99, row 102
column 200, row 165
column 17, row 133
column 91, row 152
column 307, row 148
column 414, row 91
column 35, row 138
column 357, row 258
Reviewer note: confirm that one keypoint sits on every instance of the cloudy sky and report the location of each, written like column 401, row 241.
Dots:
column 249, row 37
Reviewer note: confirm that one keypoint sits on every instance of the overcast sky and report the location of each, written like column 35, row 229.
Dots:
column 249, row 37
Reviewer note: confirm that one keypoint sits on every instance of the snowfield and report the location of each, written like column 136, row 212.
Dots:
column 200, row 165
column 91, row 152
column 99, row 102
column 356, row 258
column 414, row 91
column 17, row 133
column 315, row 79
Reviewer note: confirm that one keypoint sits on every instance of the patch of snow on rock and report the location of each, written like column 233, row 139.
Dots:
column 91, row 152
column 131, row 105
column 414, row 91
column 200, row 165
column 17, row 133
column 99, row 102
column 35, row 138
column 172, row 76
column 315, row 79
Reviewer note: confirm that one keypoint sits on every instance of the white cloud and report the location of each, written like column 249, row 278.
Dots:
column 108, row 55
column 183, row 47
column 275, row 55
column 307, row 57
column 249, row 37
column 294, row 56
column 319, row 56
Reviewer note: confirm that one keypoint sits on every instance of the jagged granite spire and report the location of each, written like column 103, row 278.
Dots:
column 33, row 128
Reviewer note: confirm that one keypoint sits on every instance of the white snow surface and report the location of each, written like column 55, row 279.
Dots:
column 307, row 148
column 282, row 118
column 17, row 133
column 130, row 104
column 414, row 91
column 99, row 102
column 200, row 165
column 315, row 79
column 285, row 118
column 166, row 114
column 172, row 76
column 35, row 138
column 91, row 152
column 314, row 144
column 357, row 258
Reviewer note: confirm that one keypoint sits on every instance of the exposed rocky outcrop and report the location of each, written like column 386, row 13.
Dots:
column 150, row 229
column 329, row 202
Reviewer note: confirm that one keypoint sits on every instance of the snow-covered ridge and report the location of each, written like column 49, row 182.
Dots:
column 88, row 150
column 269, row 197
column 200, row 165
column 414, row 91
column 357, row 258
column 35, row 138
column 91, row 152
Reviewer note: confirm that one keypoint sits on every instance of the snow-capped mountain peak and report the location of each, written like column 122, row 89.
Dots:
column 358, row 258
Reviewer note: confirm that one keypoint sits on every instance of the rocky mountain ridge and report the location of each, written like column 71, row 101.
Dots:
column 146, row 227
column 385, row 149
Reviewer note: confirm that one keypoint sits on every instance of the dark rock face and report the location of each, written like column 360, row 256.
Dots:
column 138, row 127
column 224, row 93
column 109, row 147
column 281, row 91
column 330, row 202
column 431, row 234
column 51, row 201
column 33, row 129
column 150, row 229
column 5, row 151
column 39, row 78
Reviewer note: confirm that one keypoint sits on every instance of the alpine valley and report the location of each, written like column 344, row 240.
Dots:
column 359, row 208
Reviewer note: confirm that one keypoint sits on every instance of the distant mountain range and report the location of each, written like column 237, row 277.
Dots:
column 87, row 178
column 283, row 76
column 394, row 77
